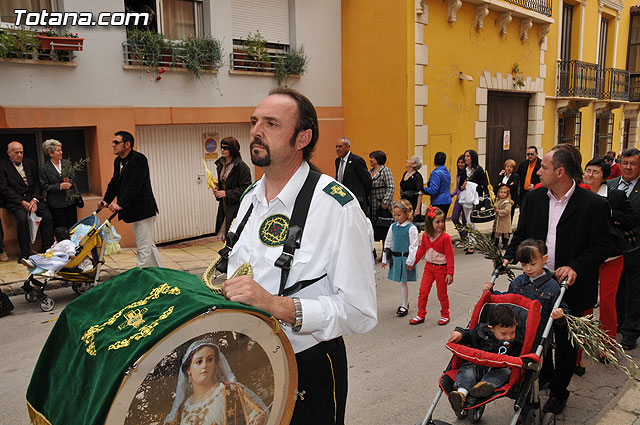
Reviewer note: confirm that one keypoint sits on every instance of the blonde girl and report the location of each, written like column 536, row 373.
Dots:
column 437, row 249
column 400, row 248
column 502, row 224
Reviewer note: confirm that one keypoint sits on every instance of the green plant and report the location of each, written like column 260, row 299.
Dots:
column 295, row 62
column 6, row 40
column 256, row 47
column 200, row 53
column 69, row 170
column 517, row 75
column 21, row 44
column 147, row 47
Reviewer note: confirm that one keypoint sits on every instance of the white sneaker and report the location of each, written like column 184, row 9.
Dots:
column 49, row 273
column 27, row 263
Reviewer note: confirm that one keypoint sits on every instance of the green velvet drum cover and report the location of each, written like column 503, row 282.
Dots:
column 121, row 354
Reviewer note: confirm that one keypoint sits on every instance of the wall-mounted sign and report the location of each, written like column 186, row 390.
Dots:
column 210, row 146
column 506, row 140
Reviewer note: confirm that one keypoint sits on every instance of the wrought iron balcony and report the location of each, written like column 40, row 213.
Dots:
column 634, row 87
column 584, row 79
column 540, row 6
column 242, row 61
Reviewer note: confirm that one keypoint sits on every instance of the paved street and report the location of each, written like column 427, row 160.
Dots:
column 393, row 369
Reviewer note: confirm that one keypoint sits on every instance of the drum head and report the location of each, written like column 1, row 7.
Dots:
column 260, row 361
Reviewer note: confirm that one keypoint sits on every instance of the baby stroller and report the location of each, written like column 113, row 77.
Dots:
column 523, row 382
column 89, row 237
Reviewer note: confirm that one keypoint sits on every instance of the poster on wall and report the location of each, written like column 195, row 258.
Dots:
column 506, row 140
column 210, row 145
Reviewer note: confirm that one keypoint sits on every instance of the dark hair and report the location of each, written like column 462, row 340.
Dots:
column 629, row 152
column 530, row 249
column 604, row 166
column 233, row 145
column 187, row 362
column 607, row 158
column 502, row 315
column 440, row 158
column 307, row 118
column 462, row 174
column 567, row 156
column 474, row 158
column 61, row 233
column 533, row 147
column 379, row 156
column 126, row 136
column 612, row 152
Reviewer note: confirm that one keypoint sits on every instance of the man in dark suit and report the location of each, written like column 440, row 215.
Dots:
column 628, row 297
column 131, row 185
column 20, row 188
column 352, row 171
column 528, row 172
column 574, row 224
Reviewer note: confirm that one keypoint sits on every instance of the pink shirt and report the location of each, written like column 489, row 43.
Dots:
column 556, row 208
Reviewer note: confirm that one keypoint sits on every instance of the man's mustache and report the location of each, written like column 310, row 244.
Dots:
column 257, row 142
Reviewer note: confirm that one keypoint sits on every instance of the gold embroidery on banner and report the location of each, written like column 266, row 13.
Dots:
column 144, row 332
column 134, row 318
column 36, row 417
column 88, row 337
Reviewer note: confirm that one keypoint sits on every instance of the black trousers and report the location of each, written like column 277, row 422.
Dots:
column 46, row 228
column 64, row 217
column 560, row 370
column 628, row 297
column 322, row 375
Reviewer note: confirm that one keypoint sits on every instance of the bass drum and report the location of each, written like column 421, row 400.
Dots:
column 260, row 361
column 155, row 346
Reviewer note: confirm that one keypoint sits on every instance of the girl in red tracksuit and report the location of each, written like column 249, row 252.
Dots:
column 437, row 248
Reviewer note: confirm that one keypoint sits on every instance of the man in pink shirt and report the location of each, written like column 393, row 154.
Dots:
column 573, row 223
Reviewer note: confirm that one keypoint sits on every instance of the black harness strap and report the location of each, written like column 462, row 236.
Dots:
column 296, row 226
column 231, row 239
column 299, row 286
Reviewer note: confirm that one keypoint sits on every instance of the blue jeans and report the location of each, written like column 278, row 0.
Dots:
column 470, row 374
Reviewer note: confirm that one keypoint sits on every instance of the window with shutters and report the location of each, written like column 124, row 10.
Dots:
column 569, row 127
column 8, row 17
column 175, row 19
column 260, row 33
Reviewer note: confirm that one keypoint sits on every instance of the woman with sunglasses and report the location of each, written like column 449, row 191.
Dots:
column 234, row 177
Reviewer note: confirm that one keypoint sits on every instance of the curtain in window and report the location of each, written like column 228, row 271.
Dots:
column 8, row 6
column 178, row 17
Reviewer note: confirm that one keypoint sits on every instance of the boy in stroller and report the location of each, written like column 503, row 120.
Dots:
column 56, row 257
column 496, row 336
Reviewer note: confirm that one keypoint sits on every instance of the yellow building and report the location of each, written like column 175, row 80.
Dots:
column 489, row 75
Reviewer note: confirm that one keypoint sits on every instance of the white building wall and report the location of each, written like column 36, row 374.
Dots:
column 100, row 80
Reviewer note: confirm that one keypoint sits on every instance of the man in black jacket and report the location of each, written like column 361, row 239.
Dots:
column 131, row 185
column 20, row 188
column 573, row 222
column 352, row 171
column 528, row 172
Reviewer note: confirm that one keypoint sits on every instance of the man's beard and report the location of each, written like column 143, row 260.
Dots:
column 255, row 158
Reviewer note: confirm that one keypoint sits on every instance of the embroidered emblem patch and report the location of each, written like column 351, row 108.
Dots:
column 338, row 192
column 273, row 230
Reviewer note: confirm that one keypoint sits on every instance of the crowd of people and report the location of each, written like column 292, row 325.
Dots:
column 568, row 222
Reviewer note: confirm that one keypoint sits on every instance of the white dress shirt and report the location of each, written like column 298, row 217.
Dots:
column 556, row 208
column 335, row 241
column 414, row 243
column 342, row 166
column 627, row 188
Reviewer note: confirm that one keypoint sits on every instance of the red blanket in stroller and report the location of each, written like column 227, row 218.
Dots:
column 527, row 312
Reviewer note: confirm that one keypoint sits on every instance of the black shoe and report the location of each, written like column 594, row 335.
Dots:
column 579, row 370
column 554, row 405
column 402, row 311
column 628, row 343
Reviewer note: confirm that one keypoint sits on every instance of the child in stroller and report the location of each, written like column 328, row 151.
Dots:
column 56, row 257
column 497, row 336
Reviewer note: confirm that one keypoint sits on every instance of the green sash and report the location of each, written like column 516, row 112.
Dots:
column 102, row 333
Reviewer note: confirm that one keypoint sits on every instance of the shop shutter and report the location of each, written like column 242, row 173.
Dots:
column 270, row 17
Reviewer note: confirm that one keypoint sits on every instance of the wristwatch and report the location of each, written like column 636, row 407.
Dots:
column 298, row 323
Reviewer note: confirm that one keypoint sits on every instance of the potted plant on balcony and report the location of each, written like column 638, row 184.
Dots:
column 146, row 48
column 50, row 40
column 202, row 53
column 256, row 47
column 18, row 44
column 293, row 63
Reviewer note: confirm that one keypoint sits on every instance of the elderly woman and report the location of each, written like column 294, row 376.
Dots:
column 382, row 189
column 507, row 177
column 61, row 192
column 207, row 392
column 234, row 177
column 411, row 184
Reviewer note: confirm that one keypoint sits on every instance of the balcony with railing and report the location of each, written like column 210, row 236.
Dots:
column 634, row 87
column 540, row 6
column 583, row 79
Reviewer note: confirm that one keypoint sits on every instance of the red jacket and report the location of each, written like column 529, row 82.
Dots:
column 442, row 245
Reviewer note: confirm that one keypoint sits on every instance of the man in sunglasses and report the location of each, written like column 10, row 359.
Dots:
column 130, row 193
column 528, row 171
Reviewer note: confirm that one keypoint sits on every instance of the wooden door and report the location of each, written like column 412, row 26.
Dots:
column 506, row 112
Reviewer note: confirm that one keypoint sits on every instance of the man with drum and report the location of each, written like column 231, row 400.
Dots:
column 326, row 280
